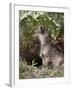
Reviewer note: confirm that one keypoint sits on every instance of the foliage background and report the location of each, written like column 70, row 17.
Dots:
column 29, row 20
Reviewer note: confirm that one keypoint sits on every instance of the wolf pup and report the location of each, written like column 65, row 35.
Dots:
column 48, row 53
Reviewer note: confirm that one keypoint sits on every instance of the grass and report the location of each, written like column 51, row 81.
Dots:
column 30, row 72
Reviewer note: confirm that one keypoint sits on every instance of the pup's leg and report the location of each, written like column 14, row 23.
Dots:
column 47, row 61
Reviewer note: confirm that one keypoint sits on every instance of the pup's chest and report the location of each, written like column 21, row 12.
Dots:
column 42, row 39
column 46, row 50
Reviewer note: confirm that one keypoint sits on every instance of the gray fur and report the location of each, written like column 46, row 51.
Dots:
column 48, row 52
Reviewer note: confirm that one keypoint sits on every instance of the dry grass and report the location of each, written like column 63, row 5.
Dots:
column 30, row 72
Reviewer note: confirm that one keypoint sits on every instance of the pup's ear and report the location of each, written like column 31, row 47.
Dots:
column 42, row 29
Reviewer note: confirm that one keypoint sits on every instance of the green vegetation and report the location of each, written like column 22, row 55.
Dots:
column 30, row 20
